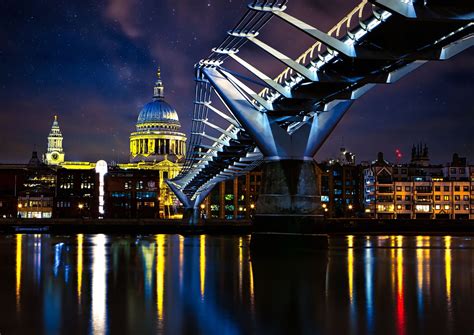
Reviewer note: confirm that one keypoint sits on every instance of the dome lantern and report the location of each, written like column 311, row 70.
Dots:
column 159, row 89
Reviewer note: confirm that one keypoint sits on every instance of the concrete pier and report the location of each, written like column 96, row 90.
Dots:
column 289, row 199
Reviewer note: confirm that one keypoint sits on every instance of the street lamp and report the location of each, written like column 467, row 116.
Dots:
column 80, row 206
column 349, row 207
column 252, row 206
column 203, row 214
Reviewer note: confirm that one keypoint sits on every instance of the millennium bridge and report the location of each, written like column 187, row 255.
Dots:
column 235, row 129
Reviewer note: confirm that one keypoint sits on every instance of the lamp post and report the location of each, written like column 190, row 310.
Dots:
column 203, row 214
column 80, row 206
column 325, row 208
column 252, row 210
column 20, row 206
column 349, row 207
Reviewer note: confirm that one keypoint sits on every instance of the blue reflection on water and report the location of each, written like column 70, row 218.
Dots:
column 57, row 257
column 205, row 285
column 369, row 282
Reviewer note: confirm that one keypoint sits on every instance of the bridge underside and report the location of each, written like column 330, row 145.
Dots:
column 283, row 126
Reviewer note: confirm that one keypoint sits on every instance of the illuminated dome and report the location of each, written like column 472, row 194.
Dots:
column 158, row 113
column 157, row 137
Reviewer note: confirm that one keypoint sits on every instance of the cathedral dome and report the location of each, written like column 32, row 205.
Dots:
column 157, row 136
column 158, row 111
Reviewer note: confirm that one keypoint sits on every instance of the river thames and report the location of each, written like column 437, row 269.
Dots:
column 213, row 285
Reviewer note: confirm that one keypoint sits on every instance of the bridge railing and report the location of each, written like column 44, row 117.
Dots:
column 348, row 23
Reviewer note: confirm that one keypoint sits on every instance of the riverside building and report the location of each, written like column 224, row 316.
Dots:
column 55, row 187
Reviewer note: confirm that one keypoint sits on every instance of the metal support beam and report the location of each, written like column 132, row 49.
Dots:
column 220, row 130
column 214, row 139
column 223, row 115
column 302, row 70
column 274, row 142
column 422, row 11
column 262, row 76
column 329, row 41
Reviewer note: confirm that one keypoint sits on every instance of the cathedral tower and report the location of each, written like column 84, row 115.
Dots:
column 55, row 153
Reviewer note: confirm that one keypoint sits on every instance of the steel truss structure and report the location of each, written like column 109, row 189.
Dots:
column 378, row 42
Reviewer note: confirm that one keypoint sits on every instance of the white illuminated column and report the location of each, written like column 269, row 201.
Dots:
column 101, row 169
column 99, row 285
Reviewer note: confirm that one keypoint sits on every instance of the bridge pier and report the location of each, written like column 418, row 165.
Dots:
column 191, row 215
column 289, row 201
column 191, row 206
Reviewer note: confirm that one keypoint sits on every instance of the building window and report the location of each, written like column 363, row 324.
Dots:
column 457, row 207
column 407, row 197
column 462, row 170
column 399, row 188
column 457, row 188
column 457, row 197
column 422, row 208
column 407, row 188
column 437, row 197
column 446, row 188
column 446, row 207
column 453, row 170
column 465, row 188
column 408, row 207
column 446, row 198
column 465, row 198
column 437, row 188
column 466, row 207
column 437, row 206
column 399, row 198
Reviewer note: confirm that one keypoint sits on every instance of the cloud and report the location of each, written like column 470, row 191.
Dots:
column 124, row 12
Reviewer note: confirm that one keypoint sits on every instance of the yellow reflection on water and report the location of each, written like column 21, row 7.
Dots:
column 400, row 288
column 252, row 294
column 181, row 260
column 202, row 263
column 447, row 267
column 19, row 242
column 240, row 265
column 99, row 285
column 426, row 259
column 350, row 266
column 80, row 241
column 160, row 274
column 419, row 263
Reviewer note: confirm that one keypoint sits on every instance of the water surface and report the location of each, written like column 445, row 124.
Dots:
column 213, row 285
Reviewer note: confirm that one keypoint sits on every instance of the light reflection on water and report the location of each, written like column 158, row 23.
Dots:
column 213, row 285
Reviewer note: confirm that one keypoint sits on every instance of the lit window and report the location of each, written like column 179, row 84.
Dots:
column 437, row 206
column 446, row 198
column 446, row 207
column 422, row 208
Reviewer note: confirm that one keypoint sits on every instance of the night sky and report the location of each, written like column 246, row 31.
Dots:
column 93, row 64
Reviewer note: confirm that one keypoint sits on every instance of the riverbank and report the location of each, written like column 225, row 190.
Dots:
column 153, row 226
